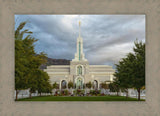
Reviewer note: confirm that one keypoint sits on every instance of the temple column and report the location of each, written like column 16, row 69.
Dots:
column 60, row 85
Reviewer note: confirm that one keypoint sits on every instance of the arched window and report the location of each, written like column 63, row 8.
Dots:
column 79, row 70
column 95, row 84
column 79, row 83
column 63, row 84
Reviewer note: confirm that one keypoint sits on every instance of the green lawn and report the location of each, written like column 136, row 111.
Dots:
column 84, row 98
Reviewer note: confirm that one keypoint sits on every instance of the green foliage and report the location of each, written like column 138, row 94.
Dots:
column 64, row 92
column 57, row 93
column 27, row 63
column 55, row 86
column 124, row 73
column 78, row 92
column 95, row 92
column 139, row 65
column 19, row 34
column 89, row 84
column 43, row 85
column 70, row 84
column 131, row 70
column 115, row 86
column 104, row 85
column 22, row 57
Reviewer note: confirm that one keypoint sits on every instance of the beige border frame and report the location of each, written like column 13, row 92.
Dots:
column 8, row 107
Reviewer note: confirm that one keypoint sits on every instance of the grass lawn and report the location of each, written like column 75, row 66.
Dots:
column 82, row 98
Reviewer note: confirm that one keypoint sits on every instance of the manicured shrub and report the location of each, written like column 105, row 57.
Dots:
column 89, row 84
column 64, row 92
column 55, row 86
column 94, row 92
column 70, row 84
column 78, row 92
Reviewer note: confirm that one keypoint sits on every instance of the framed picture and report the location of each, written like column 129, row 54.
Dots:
column 106, row 62
column 72, row 57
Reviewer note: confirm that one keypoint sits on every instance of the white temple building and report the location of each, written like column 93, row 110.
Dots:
column 79, row 71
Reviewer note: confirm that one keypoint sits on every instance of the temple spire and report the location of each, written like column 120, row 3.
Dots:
column 79, row 28
column 79, row 55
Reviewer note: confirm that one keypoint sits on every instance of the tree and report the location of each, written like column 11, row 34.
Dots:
column 124, row 72
column 131, row 70
column 43, row 84
column 70, row 84
column 20, row 59
column 138, row 76
column 115, row 86
column 27, row 62
column 35, row 73
column 89, row 84
column 48, row 87
column 32, row 82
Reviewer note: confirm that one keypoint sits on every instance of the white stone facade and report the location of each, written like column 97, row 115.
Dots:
column 79, row 71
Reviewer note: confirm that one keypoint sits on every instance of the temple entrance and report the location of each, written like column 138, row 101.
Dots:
column 95, row 84
column 79, row 83
column 63, row 84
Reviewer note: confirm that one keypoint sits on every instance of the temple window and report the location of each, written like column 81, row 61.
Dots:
column 79, row 70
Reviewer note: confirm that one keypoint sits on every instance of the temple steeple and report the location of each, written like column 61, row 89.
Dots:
column 79, row 28
column 79, row 55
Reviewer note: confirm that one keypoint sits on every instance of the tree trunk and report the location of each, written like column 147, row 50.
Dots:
column 40, row 93
column 16, row 95
column 139, row 92
column 30, row 95
column 127, row 93
column 117, row 93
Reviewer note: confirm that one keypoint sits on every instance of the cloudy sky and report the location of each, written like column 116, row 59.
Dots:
column 107, row 38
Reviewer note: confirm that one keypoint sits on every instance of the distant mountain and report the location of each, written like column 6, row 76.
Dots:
column 51, row 61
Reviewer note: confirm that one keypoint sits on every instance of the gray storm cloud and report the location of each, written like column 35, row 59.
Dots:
column 107, row 38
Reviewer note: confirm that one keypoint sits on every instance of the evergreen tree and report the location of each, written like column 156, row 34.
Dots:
column 130, row 71
column 115, row 86
column 138, row 77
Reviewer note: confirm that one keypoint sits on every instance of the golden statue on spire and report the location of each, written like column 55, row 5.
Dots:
column 79, row 23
